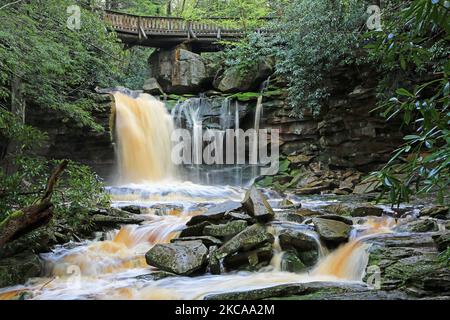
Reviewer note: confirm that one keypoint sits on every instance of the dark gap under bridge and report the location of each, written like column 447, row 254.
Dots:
column 167, row 32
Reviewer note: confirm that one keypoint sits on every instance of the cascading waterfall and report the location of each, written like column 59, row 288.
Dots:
column 143, row 128
column 113, row 267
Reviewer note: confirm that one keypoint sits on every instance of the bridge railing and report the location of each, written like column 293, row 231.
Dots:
column 166, row 25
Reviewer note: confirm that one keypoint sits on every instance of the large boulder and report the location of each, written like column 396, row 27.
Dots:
column 178, row 70
column 183, row 258
column 332, row 230
column 235, row 80
column 298, row 239
column 19, row 268
column 303, row 244
column 256, row 205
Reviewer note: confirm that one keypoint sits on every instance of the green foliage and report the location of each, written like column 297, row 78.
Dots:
column 140, row 7
column 135, row 68
column 78, row 192
column 243, row 14
column 246, row 53
column 313, row 38
column 58, row 67
column 417, row 37
column 444, row 257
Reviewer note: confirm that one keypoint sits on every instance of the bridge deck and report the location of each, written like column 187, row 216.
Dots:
column 169, row 31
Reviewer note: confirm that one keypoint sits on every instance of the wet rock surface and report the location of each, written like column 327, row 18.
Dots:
column 256, row 205
column 332, row 230
column 19, row 268
column 410, row 263
column 182, row 258
column 286, row 290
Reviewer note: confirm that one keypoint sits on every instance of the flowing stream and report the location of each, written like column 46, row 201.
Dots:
column 114, row 266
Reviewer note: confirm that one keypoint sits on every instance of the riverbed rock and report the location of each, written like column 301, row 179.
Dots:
column 298, row 239
column 332, row 230
column 206, row 240
column 19, row 268
column 115, row 221
column 250, row 260
column 367, row 210
column 132, row 209
column 195, row 230
column 337, row 218
column 215, row 213
column 182, row 258
column 304, row 212
column 438, row 212
column 286, row 290
column 442, row 240
column 256, row 205
column 155, row 276
column 252, row 237
column 290, row 262
column 225, row 230
column 366, row 187
column 338, row 209
column 409, row 262
column 233, row 215
column 421, row 225
column 289, row 216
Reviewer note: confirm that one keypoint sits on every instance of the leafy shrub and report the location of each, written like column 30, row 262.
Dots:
column 78, row 192
column 413, row 56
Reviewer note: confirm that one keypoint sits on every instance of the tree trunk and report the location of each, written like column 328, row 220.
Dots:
column 30, row 218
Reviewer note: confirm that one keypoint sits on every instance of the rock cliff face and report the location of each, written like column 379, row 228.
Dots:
column 345, row 135
column 81, row 144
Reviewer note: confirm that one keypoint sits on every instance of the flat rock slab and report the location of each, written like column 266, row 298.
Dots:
column 195, row 230
column 285, row 290
column 155, row 276
column 421, row 225
column 439, row 212
column 206, row 240
column 225, row 230
column 332, row 230
column 112, row 221
column 367, row 210
column 215, row 213
column 179, row 258
column 337, row 218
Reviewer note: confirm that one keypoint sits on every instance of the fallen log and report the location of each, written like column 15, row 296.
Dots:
column 25, row 220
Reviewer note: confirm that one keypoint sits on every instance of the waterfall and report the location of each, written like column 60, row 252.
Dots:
column 143, row 128
column 225, row 114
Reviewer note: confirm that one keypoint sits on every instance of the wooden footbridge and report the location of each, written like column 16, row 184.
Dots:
column 166, row 32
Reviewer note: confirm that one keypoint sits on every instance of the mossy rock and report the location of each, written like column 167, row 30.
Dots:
column 19, row 268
